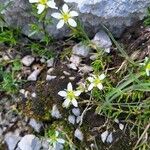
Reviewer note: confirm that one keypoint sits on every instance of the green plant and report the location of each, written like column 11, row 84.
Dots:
column 147, row 19
column 40, row 27
column 8, row 82
column 9, row 36
column 41, row 51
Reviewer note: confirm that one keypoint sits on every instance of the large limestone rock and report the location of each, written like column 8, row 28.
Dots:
column 115, row 14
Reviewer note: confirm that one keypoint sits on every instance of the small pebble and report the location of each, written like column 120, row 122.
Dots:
column 33, row 76
column 6, row 58
column 49, row 77
column 78, row 119
column 37, row 126
column 76, row 111
column 72, row 78
column 27, row 60
column 55, row 112
column 33, row 95
column 66, row 73
column 109, row 138
column 121, row 126
column 104, row 136
column 81, row 49
column 71, row 119
column 72, row 66
column 62, row 77
column 50, row 70
column 50, row 62
column 78, row 134
column 42, row 60
column 22, row 91
column 85, row 69
column 75, row 60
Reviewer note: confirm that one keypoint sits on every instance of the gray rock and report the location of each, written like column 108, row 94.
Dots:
column 11, row 140
column 102, row 40
column 115, row 14
column 81, row 50
column 30, row 142
column 37, row 126
column 27, row 60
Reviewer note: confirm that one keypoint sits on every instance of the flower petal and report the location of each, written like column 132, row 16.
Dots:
column 69, row 87
column 52, row 4
column 90, row 86
column 56, row 15
column 56, row 133
column 148, row 72
column 77, row 93
column 62, row 93
column 100, row 86
column 33, row 1
column 40, row 8
column 62, row 141
column 146, row 59
column 66, row 103
column 90, row 79
column 72, row 22
column 73, row 13
column 74, row 102
column 102, row 77
column 60, row 24
column 65, row 8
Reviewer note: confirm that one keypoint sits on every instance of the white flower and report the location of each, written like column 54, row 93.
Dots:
column 42, row 4
column 54, row 139
column 147, row 65
column 70, row 96
column 96, row 81
column 65, row 16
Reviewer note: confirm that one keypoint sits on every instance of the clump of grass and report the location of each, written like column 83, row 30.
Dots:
column 9, row 82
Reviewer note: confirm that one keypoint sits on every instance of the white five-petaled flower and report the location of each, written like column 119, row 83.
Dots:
column 146, row 64
column 54, row 139
column 70, row 96
column 96, row 81
column 65, row 16
column 42, row 4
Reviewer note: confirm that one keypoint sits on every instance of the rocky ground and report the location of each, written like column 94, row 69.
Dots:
column 24, row 117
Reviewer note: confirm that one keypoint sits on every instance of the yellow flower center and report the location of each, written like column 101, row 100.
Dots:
column 70, row 95
column 148, row 66
column 65, row 16
column 97, row 81
column 43, row 2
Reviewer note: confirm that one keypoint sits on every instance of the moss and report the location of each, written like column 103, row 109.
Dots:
column 47, row 95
